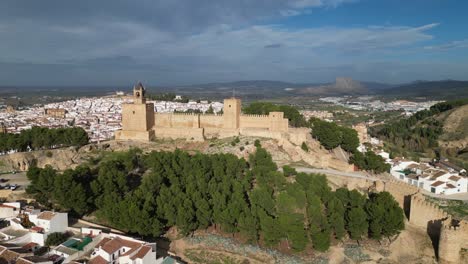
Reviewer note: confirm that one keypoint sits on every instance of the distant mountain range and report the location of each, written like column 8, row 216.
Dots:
column 267, row 89
column 342, row 86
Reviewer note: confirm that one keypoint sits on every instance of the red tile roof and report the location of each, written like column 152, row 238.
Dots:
column 437, row 183
column 30, row 245
column 97, row 260
column 117, row 243
column 454, row 178
column 141, row 253
column 7, row 206
column 46, row 215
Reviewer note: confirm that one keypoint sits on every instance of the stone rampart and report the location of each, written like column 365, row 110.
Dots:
column 254, row 121
column 453, row 242
column 449, row 237
column 195, row 134
column 211, row 121
column 422, row 212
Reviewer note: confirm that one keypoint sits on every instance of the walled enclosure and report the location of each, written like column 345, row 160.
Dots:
column 449, row 237
column 140, row 122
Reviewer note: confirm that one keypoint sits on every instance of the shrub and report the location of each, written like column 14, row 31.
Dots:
column 289, row 171
column 241, row 148
column 49, row 154
column 257, row 143
column 304, row 147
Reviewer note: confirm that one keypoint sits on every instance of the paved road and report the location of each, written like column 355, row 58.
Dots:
column 457, row 196
column 17, row 178
column 359, row 175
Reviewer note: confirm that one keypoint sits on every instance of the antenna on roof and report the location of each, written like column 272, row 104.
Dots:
column 233, row 92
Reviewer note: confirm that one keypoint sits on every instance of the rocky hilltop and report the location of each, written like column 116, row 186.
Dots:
column 341, row 86
column 283, row 152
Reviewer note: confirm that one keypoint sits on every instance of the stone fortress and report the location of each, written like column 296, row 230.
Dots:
column 141, row 122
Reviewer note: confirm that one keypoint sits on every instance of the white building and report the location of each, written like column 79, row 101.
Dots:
column 434, row 180
column 50, row 222
column 9, row 210
column 117, row 250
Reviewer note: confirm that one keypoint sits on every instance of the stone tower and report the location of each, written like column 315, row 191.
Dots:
column 231, row 113
column 137, row 117
column 139, row 93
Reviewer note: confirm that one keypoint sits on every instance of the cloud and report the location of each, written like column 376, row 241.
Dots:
column 273, row 46
column 162, row 41
column 319, row 3
column 459, row 44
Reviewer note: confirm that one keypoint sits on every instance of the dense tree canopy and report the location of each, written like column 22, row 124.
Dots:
column 291, row 113
column 149, row 193
column 330, row 135
column 43, row 138
column 418, row 132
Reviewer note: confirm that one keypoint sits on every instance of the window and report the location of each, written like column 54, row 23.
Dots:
column 421, row 185
column 402, row 177
column 433, row 190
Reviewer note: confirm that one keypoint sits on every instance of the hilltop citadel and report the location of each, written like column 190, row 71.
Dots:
column 141, row 122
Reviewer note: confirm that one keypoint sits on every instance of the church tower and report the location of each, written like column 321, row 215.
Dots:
column 137, row 117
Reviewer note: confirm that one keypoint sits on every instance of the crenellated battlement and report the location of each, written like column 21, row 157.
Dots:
column 450, row 235
column 256, row 116
column 423, row 211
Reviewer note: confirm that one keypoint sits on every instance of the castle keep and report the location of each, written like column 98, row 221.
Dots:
column 140, row 122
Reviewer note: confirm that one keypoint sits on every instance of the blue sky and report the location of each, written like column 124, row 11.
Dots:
column 171, row 42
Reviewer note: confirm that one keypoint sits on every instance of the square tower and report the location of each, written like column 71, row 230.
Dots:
column 137, row 117
column 231, row 113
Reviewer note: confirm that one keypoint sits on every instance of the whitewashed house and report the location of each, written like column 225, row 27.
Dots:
column 431, row 179
column 117, row 250
column 50, row 221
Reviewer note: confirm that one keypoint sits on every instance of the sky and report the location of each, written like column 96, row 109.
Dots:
column 178, row 42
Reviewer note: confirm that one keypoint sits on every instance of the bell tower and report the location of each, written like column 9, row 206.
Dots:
column 137, row 117
column 139, row 94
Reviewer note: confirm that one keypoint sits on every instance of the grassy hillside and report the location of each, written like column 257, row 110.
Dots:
column 440, row 131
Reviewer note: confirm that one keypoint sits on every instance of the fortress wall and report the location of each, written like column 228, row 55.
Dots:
column 176, row 133
column 181, row 120
column 134, row 135
column 452, row 241
column 278, row 122
column 402, row 193
column 162, row 119
column 211, row 121
column 254, row 121
column 423, row 212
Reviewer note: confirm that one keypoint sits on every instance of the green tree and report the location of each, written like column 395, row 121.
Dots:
column 357, row 223
column 336, row 215
column 56, row 238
